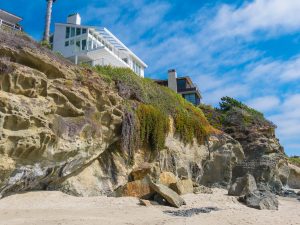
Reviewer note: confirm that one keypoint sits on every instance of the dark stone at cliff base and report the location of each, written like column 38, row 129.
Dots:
column 288, row 193
column 191, row 212
column 260, row 200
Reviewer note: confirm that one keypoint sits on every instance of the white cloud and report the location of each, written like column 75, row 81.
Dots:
column 270, row 16
column 232, row 90
column 264, row 104
column 288, row 118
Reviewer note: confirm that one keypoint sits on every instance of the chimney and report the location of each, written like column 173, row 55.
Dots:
column 172, row 79
column 74, row 19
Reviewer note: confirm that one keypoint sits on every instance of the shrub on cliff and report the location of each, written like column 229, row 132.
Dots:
column 232, row 111
column 155, row 105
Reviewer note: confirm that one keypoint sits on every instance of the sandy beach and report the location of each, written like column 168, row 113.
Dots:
column 55, row 208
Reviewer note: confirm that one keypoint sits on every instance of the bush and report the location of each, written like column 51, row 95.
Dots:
column 228, row 103
column 45, row 44
column 295, row 160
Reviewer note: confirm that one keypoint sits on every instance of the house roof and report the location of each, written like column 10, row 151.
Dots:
column 9, row 17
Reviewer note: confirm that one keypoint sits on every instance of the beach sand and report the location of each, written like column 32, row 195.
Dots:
column 49, row 208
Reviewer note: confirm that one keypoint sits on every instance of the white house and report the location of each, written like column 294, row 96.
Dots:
column 93, row 45
column 9, row 20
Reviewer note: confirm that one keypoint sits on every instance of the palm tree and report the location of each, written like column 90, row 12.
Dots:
column 48, row 20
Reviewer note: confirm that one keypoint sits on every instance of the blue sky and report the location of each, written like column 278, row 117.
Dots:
column 249, row 50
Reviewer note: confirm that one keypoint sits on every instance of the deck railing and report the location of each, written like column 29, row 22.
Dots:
column 10, row 25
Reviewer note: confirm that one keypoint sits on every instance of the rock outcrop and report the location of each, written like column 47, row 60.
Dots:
column 243, row 186
column 53, row 121
column 294, row 177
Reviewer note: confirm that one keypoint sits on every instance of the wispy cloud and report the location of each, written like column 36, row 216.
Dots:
column 265, row 104
column 271, row 17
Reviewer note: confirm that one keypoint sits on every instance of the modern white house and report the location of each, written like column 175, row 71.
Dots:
column 9, row 20
column 93, row 45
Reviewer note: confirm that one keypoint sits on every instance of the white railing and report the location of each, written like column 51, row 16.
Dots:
column 10, row 25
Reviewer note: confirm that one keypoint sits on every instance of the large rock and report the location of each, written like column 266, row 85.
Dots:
column 137, row 188
column 182, row 187
column 243, row 185
column 260, row 200
column 167, row 178
column 294, row 177
column 168, row 194
column 141, row 171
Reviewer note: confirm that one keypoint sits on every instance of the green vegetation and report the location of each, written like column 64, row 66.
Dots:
column 156, row 105
column 228, row 103
column 154, row 126
column 45, row 44
column 294, row 160
column 232, row 110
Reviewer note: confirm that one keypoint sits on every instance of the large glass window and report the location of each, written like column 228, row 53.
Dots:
column 84, row 31
column 83, row 44
column 191, row 98
column 78, row 31
column 72, row 42
column 67, row 32
column 181, row 84
column 72, row 31
column 67, row 43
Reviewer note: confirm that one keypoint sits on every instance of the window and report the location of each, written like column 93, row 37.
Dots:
column 181, row 84
column 89, row 44
column 71, row 42
column 67, row 43
column 191, row 98
column 77, row 45
column 72, row 31
column 83, row 44
column 67, row 32
column 78, row 31
column 84, row 31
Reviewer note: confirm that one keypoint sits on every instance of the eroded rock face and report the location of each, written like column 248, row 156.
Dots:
column 52, row 122
column 294, row 177
column 264, row 156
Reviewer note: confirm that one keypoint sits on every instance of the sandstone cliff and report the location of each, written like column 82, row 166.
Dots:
column 65, row 127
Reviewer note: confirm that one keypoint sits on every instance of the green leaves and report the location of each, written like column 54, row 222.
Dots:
column 154, row 126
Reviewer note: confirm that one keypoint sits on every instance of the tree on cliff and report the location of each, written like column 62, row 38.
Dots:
column 48, row 20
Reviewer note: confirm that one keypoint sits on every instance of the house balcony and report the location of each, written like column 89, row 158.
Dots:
column 191, row 89
column 10, row 25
